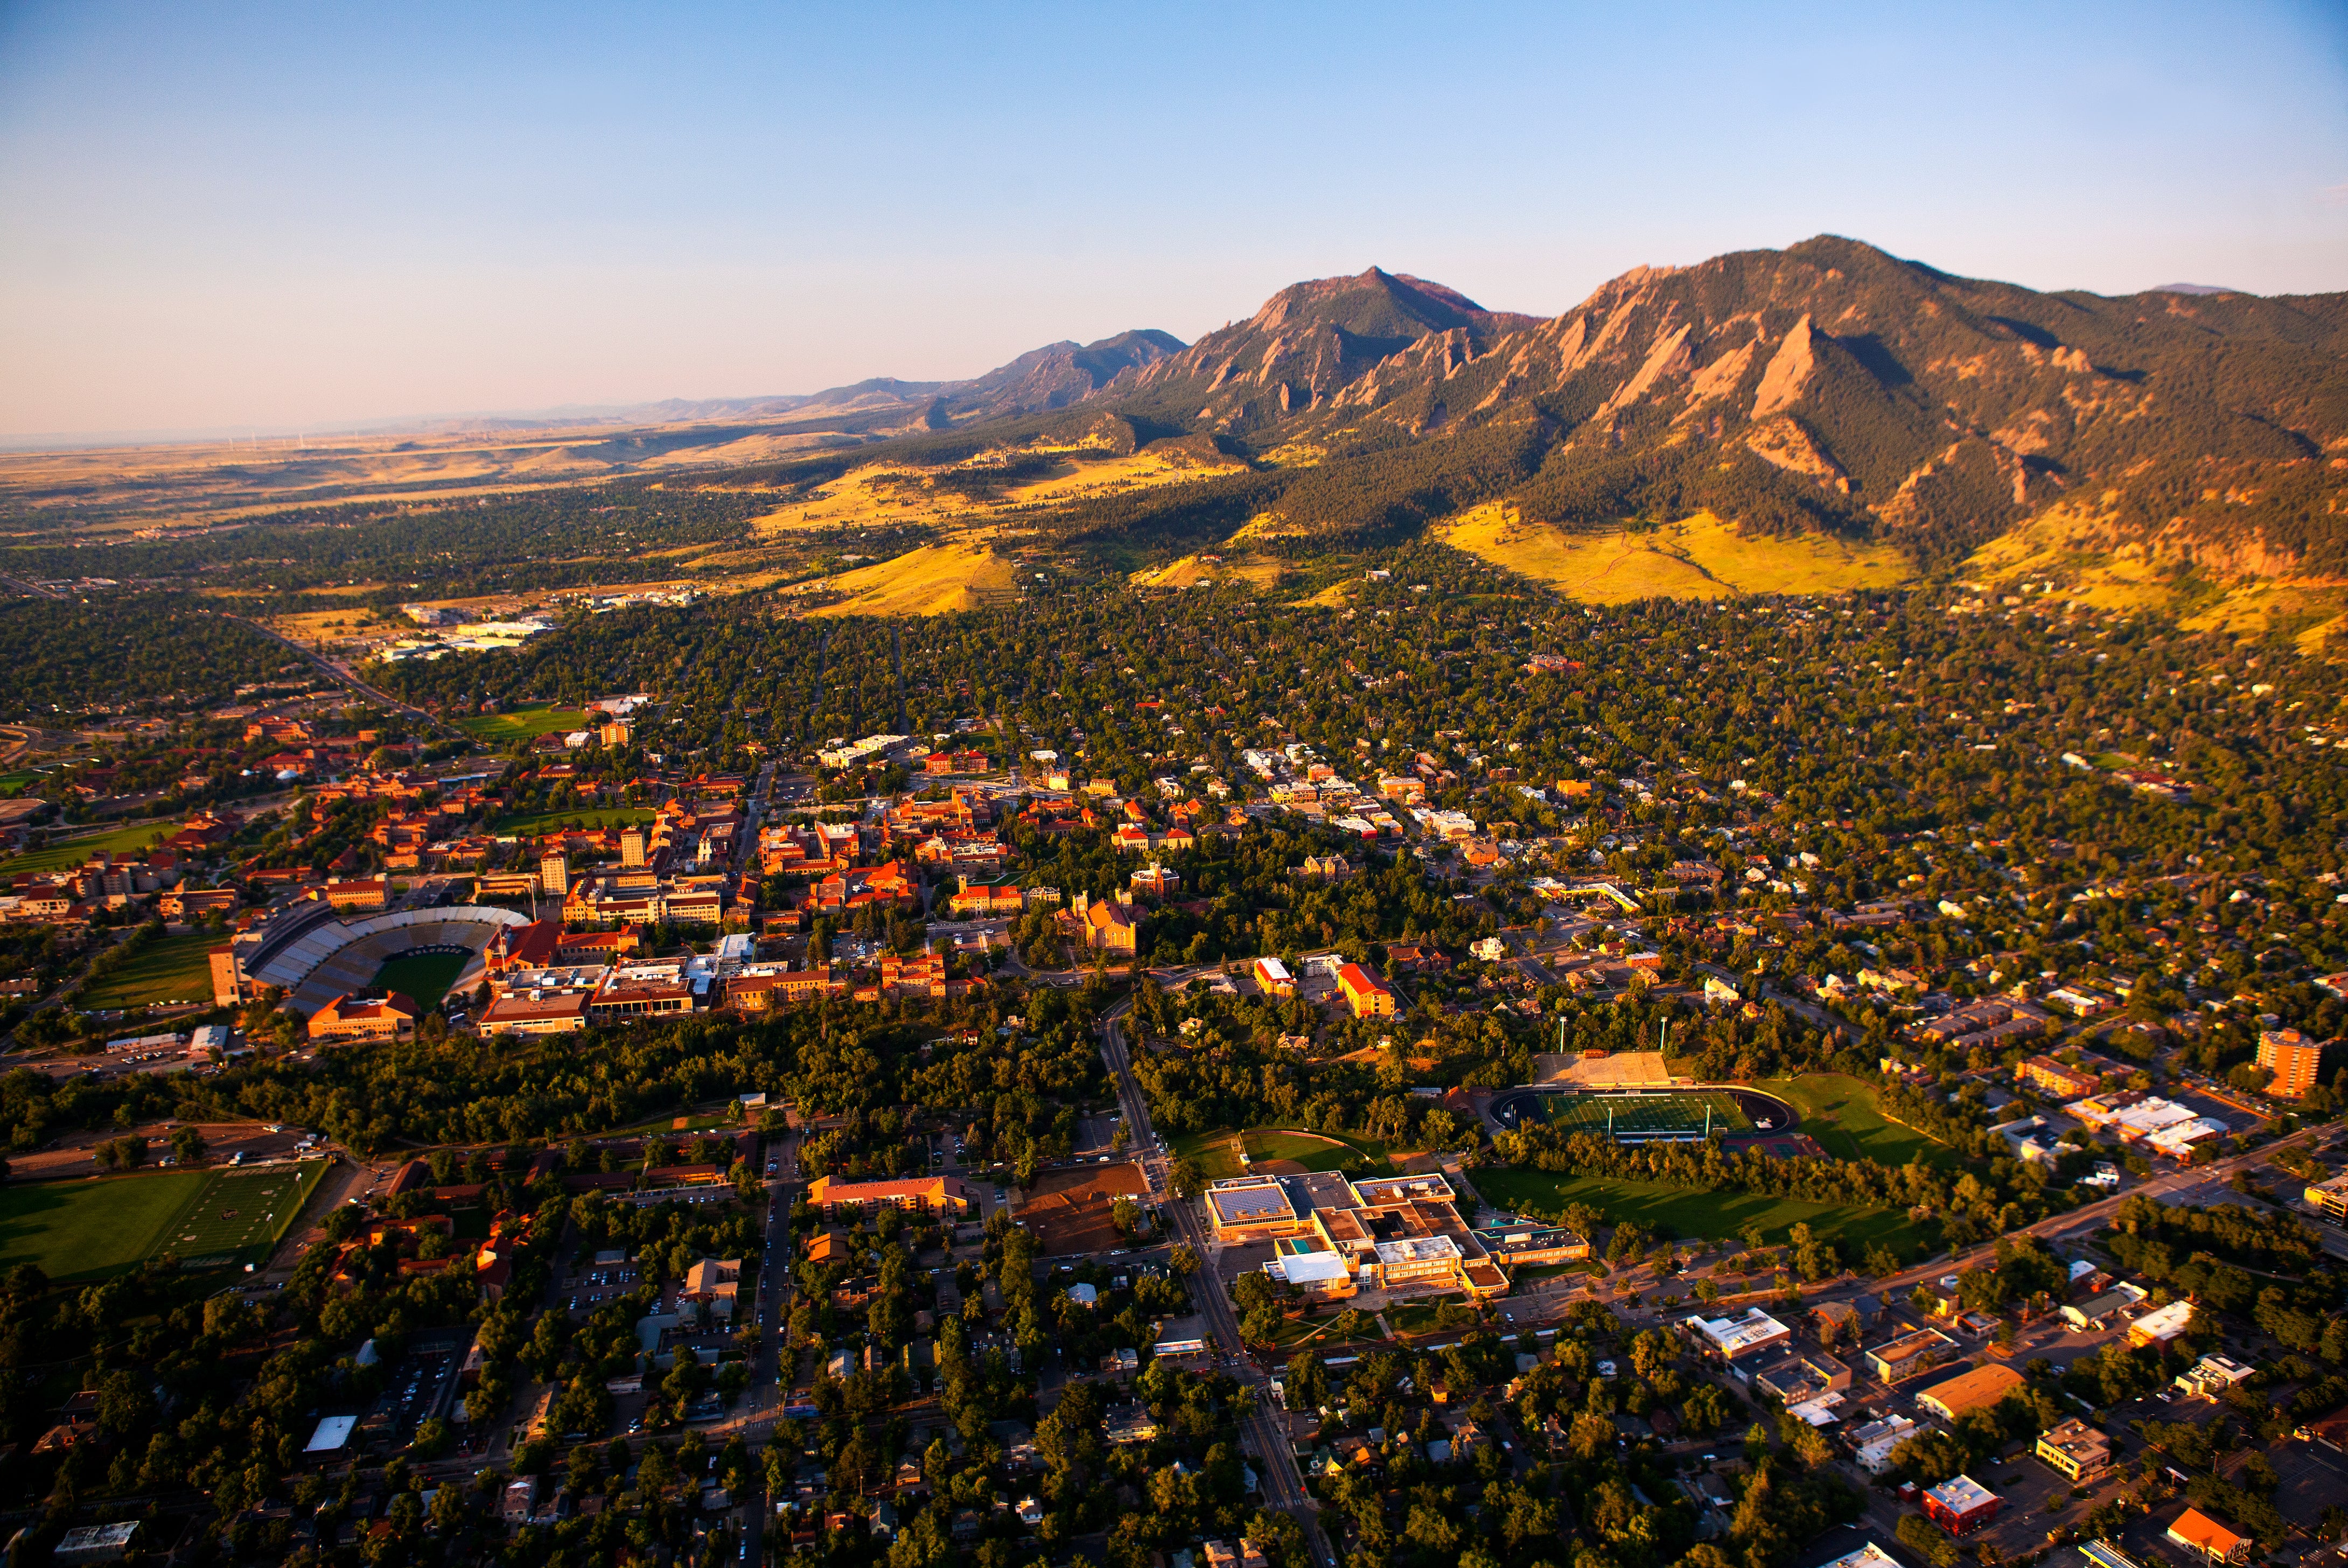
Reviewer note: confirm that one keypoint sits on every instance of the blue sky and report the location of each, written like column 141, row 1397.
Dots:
column 227, row 217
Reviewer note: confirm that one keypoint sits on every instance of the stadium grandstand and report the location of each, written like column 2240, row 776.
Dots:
column 316, row 955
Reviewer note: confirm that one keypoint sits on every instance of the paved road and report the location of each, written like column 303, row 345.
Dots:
column 336, row 672
column 1284, row 1484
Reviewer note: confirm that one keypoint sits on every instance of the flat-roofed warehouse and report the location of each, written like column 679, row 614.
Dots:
column 1978, row 1389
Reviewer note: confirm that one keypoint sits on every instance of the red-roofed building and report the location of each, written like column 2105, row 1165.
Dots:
column 392, row 1017
column 1364, row 993
column 533, row 946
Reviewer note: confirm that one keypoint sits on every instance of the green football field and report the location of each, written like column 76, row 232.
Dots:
column 240, row 1214
column 91, row 1229
column 1645, row 1112
column 425, row 977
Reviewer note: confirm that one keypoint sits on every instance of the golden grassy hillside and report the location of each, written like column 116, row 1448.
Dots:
column 1256, row 571
column 1700, row 557
column 2067, row 551
column 934, row 579
column 888, row 495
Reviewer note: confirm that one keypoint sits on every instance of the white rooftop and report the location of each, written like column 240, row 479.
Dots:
column 333, row 1433
column 1417, row 1250
column 1961, row 1494
column 1311, row 1268
column 1734, row 1336
column 1868, row 1556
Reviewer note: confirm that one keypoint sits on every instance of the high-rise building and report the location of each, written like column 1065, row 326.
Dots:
column 2298, row 1063
column 554, row 875
column 631, row 846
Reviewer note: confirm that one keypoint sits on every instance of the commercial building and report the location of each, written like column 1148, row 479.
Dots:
column 2212, row 1375
column 537, row 1013
column 1978, row 1389
column 2329, row 1199
column 1909, row 1354
column 1524, row 1242
column 2199, row 1533
column 1868, row 1556
column 95, row 1542
column 948, row 1195
column 638, row 991
column 2158, row 1327
column 389, row 1018
column 2298, row 1063
column 1400, row 1234
column 1961, row 1505
column 2076, row 1449
column 1871, row 1445
column 1734, row 1340
column 1251, row 1208
column 1315, row 1273
column 2096, row 1311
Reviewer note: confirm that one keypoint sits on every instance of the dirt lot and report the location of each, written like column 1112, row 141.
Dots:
column 1069, row 1211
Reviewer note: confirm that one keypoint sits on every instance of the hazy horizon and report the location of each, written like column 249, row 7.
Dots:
column 281, row 220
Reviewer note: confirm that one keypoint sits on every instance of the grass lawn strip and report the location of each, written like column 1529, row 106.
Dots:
column 1847, row 1119
column 587, row 818
column 174, row 969
column 530, row 718
column 1690, row 1212
column 59, row 853
column 1309, row 1149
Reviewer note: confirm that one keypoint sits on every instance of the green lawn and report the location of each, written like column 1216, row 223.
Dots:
column 1844, row 1115
column 58, row 854
column 1313, row 1152
column 1696, row 1213
column 107, row 1225
column 1422, row 1316
column 16, row 783
column 424, row 977
column 90, row 1229
column 174, row 969
column 1320, row 1334
column 577, row 816
column 531, row 719
column 1216, row 1153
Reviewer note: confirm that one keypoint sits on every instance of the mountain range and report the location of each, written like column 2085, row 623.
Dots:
column 1828, row 385
column 1826, row 388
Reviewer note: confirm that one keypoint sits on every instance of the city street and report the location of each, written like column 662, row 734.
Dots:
column 1283, row 1483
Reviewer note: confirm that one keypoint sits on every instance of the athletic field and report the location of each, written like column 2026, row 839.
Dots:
column 423, row 978
column 1638, row 1117
column 91, row 1229
column 1647, row 1114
